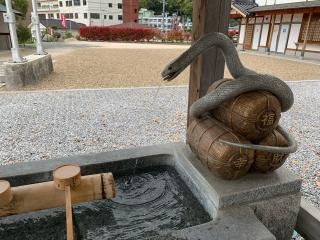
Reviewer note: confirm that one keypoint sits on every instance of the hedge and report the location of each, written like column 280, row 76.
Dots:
column 131, row 34
column 117, row 33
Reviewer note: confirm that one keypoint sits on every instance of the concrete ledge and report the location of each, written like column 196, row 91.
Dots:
column 274, row 198
column 253, row 187
column 18, row 75
column 238, row 223
column 250, row 188
column 308, row 224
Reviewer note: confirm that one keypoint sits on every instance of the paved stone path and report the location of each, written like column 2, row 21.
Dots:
column 43, row 125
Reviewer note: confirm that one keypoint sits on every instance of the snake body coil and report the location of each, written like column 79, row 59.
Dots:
column 246, row 80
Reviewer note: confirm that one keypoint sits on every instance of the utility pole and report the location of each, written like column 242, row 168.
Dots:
column 10, row 18
column 163, row 13
column 36, row 22
column 101, row 15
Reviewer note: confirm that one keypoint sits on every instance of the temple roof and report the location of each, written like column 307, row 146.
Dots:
column 296, row 5
column 3, row 9
column 243, row 6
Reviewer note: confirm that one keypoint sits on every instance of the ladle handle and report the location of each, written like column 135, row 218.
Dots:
column 69, row 220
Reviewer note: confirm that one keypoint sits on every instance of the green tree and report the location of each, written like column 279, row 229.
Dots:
column 19, row 5
column 182, row 7
column 187, row 8
column 154, row 5
column 23, row 33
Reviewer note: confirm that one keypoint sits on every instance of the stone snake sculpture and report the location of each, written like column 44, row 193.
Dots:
column 246, row 80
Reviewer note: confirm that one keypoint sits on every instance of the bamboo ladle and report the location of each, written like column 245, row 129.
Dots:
column 65, row 178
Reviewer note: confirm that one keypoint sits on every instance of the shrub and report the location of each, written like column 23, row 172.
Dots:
column 48, row 38
column 175, row 35
column 57, row 35
column 187, row 36
column 117, row 33
column 23, row 33
column 67, row 35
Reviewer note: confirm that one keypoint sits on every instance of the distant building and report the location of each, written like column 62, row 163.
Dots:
column 90, row 12
column 48, row 9
column 130, row 11
column 55, row 24
column 147, row 17
column 5, row 41
column 279, row 26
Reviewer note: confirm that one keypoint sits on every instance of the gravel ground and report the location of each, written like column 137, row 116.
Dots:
column 130, row 65
column 49, row 124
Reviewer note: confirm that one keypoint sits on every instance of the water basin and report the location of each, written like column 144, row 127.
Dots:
column 150, row 202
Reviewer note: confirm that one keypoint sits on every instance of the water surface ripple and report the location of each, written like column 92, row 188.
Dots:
column 148, row 203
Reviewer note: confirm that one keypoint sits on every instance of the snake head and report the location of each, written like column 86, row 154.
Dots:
column 171, row 71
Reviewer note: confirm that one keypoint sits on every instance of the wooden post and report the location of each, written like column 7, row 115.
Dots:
column 306, row 37
column 245, row 34
column 273, row 20
column 64, row 178
column 208, row 16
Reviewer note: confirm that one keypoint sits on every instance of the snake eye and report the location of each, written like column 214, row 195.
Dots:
column 170, row 68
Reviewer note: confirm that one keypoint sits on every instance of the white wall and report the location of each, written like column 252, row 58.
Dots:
column 261, row 2
column 48, row 7
column 264, row 35
column 288, row 1
column 242, row 34
column 272, row 2
column 295, row 30
column 294, row 35
column 312, row 47
column 93, row 6
column 76, row 9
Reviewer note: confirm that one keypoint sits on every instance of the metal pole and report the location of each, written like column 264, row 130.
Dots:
column 36, row 22
column 70, row 19
column 101, row 15
column 10, row 18
column 163, row 12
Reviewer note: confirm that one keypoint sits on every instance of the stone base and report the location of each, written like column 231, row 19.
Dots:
column 18, row 75
column 257, row 206
column 279, row 214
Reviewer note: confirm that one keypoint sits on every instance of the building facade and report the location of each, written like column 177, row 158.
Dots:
column 147, row 17
column 5, row 41
column 280, row 26
column 48, row 9
column 90, row 12
column 130, row 11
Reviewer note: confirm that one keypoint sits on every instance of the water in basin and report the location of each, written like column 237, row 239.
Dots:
column 149, row 203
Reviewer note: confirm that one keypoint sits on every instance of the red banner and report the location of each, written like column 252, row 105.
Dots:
column 63, row 20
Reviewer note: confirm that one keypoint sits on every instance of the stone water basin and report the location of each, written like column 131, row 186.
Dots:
column 163, row 193
column 148, row 202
